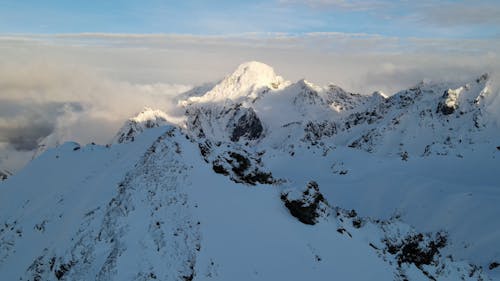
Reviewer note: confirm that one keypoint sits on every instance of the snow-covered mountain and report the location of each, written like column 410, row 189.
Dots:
column 146, row 119
column 265, row 179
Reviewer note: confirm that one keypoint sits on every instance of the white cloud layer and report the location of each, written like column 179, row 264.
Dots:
column 83, row 86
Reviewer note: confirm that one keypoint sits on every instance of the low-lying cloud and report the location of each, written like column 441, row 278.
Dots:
column 83, row 87
column 45, row 97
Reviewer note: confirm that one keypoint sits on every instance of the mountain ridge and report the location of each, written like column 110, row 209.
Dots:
column 256, row 181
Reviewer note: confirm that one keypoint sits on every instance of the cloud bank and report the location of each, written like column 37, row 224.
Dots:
column 82, row 87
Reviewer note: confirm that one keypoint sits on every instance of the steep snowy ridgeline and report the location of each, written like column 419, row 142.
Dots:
column 47, row 209
column 152, row 209
column 258, row 183
column 254, row 99
column 146, row 119
column 430, row 118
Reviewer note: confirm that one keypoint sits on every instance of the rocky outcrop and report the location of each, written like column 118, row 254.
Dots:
column 248, row 127
column 418, row 249
column 308, row 206
column 449, row 103
column 315, row 131
column 242, row 168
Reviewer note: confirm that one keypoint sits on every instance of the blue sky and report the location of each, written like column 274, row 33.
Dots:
column 424, row 19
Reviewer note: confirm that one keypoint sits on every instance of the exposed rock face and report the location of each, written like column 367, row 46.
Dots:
column 449, row 103
column 242, row 169
column 418, row 249
column 233, row 122
column 315, row 131
column 248, row 126
column 309, row 206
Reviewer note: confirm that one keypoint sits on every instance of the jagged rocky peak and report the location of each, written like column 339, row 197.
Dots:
column 146, row 119
column 307, row 93
column 465, row 96
column 340, row 100
column 305, row 85
column 333, row 91
column 150, row 117
column 249, row 81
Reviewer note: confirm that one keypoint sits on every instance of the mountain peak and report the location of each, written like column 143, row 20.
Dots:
column 146, row 119
column 149, row 114
column 249, row 80
column 253, row 74
column 252, row 67
column 305, row 84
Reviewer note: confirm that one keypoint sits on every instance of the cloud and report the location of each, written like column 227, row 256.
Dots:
column 24, row 124
column 25, row 136
column 57, row 65
column 462, row 14
column 51, row 98
column 83, row 87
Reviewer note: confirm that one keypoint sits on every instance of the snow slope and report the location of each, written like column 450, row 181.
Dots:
column 260, row 182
